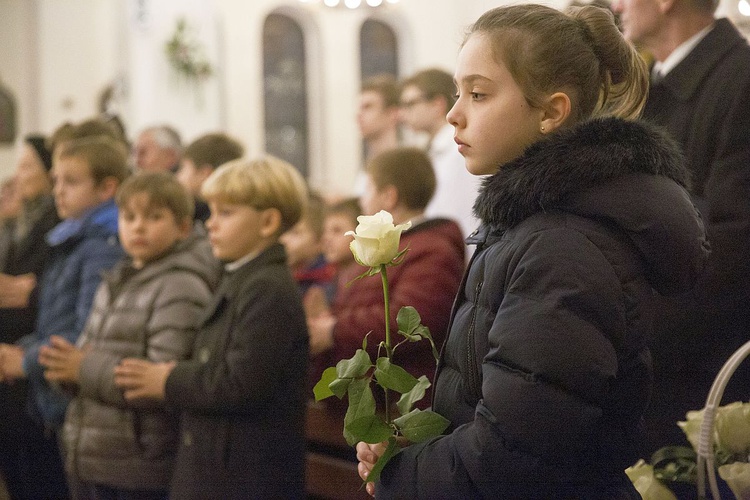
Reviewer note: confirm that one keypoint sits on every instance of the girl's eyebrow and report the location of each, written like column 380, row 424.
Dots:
column 468, row 79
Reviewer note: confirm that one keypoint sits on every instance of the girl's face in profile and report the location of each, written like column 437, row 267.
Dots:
column 493, row 121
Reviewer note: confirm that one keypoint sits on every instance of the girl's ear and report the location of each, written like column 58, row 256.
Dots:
column 270, row 220
column 555, row 112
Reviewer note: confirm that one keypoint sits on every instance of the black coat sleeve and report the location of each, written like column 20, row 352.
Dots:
column 251, row 357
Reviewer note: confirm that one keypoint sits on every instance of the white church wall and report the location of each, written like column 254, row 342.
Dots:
column 58, row 57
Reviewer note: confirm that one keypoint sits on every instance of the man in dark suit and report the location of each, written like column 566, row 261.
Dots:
column 700, row 92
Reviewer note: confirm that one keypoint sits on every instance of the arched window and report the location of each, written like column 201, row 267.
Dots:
column 378, row 49
column 284, row 89
column 7, row 116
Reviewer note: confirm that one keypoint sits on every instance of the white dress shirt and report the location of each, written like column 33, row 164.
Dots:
column 456, row 188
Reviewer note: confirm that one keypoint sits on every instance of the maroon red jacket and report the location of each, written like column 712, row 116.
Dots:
column 427, row 279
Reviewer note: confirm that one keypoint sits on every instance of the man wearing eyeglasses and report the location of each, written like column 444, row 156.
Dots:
column 426, row 98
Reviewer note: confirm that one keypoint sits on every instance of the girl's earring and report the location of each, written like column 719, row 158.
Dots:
column 542, row 129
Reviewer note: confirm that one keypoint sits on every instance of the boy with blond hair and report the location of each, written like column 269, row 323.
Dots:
column 150, row 307
column 242, row 393
column 87, row 173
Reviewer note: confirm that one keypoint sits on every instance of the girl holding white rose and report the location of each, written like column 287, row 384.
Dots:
column 546, row 373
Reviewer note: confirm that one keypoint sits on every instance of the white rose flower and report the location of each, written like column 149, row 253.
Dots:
column 737, row 476
column 731, row 431
column 376, row 239
column 642, row 476
column 733, row 428
column 692, row 427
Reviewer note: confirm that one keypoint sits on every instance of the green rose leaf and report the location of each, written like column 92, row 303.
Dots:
column 370, row 272
column 321, row 389
column 393, row 376
column 356, row 366
column 408, row 320
column 361, row 404
column 423, row 332
column 418, row 426
column 399, row 258
column 408, row 399
column 426, row 335
column 339, row 386
column 410, row 326
column 370, row 429
column 390, row 450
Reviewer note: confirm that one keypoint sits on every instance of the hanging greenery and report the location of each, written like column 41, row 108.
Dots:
column 186, row 53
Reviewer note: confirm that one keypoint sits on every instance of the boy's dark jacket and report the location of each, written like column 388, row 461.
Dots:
column 28, row 255
column 242, row 395
column 546, row 371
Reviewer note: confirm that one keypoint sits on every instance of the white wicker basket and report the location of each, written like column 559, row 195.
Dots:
column 705, row 462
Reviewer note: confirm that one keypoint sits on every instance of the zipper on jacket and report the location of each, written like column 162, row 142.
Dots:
column 460, row 298
column 472, row 369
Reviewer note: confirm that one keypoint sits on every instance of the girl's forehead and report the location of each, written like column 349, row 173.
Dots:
column 476, row 57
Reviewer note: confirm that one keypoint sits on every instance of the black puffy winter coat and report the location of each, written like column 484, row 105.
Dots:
column 546, row 372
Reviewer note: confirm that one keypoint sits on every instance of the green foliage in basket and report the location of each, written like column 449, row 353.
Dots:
column 677, row 465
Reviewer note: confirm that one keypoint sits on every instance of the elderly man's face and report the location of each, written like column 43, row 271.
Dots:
column 150, row 156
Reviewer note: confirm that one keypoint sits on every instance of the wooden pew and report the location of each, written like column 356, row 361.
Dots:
column 331, row 468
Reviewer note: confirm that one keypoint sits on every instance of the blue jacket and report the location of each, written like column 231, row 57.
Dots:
column 81, row 250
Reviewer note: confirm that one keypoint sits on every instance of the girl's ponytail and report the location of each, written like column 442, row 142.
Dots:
column 624, row 74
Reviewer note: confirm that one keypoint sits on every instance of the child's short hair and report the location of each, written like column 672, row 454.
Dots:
column 384, row 84
column 266, row 182
column 105, row 156
column 163, row 190
column 409, row 170
column 87, row 128
column 213, row 149
column 434, row 82
column 349, row 207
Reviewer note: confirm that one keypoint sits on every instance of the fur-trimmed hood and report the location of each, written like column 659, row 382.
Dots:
column 572, row 161
column 627, row 174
